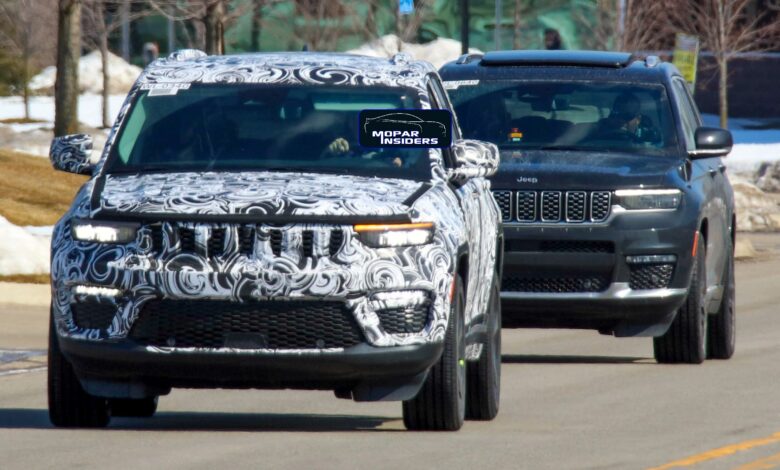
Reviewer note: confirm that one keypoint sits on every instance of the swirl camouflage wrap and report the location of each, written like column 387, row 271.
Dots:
column 244, row 237
column 72, row 153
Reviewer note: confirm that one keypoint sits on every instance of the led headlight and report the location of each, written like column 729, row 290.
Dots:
column 648, row 199
column 390, row 235
column 103, row 232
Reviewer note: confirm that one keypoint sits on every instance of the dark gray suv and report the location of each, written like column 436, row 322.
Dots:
column 617, row 212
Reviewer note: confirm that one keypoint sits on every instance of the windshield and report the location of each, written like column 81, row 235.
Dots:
column 587, row 116
column 262, row 127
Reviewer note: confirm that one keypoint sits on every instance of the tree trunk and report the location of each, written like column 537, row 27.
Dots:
column 26, row 85
column 516, row 26
column 723, row 92
column 106, row 78
column 66, row 88
column 723, row 66
column 257, row 24
column 215, row 29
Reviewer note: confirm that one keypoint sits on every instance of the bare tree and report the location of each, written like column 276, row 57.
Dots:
column 411, row 26
column 66, row 87
column 517, row 24
column 726, row 28
column 644, row 27
column 211, row 16
column 102, row 18
column 25, row 36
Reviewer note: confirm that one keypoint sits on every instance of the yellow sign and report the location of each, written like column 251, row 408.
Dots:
column 686, row 56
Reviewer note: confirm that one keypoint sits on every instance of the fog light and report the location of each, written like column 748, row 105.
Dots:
column 400, row 298
column 650, row 259
column 96, row 291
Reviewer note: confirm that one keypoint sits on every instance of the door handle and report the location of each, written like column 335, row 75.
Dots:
column 712, row 172
column 722, row 168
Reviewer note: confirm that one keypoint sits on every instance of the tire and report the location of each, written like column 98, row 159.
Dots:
column 133, row 408
column 69, row 405
column 722, row 326
column 686, row 339
column 484, row 376
column 441, row 403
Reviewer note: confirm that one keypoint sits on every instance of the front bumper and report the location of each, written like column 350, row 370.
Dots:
column 124, row 369
column 595, row 286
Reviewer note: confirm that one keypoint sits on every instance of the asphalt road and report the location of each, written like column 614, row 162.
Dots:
column 569, row 400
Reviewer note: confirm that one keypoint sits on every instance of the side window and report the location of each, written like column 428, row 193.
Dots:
column 689, row 119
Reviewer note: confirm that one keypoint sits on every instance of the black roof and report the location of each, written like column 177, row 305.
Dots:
column 562, row 64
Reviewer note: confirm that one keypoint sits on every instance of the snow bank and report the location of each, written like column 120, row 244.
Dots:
column 121, row 74
column 24, row 251
column 438, row 52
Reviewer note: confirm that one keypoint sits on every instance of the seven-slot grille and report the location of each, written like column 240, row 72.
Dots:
column 216, row 240
column 553, row 206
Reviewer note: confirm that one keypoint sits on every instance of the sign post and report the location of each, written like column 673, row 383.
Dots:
column 686, row 57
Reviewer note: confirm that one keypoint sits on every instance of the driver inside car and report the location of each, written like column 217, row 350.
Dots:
column 340, row 146
column 626, row 119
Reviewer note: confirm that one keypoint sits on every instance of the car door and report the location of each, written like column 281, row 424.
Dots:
column 471, row 195
column 707, row 176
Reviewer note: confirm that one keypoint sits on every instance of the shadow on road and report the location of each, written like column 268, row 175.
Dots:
column 21, row 418
column 552, row 359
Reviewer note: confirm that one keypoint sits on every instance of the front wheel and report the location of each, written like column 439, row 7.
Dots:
column 686, row 339
column 722, row 326
column 69, row 405
column 484, row 375
column 440, row 405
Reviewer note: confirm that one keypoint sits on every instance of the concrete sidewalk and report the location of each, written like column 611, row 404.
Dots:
column 25, row 294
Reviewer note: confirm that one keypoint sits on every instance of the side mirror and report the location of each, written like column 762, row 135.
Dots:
column 711, row 142
column 473, row 158
column 72, row 153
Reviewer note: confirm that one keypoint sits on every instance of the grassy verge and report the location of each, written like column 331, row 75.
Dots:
column 26, row 278
column 20, row 121
column 31, row 191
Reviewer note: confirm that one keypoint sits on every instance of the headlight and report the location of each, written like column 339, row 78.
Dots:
column 390, row 235
column 103, row 232
column 648, row 199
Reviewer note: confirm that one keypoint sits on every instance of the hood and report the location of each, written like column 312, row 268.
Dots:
column 564, row 170
column 252, row 194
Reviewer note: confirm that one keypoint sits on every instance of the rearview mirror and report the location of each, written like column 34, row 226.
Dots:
column 72, row 153
column 711, row 142
column 473, row 158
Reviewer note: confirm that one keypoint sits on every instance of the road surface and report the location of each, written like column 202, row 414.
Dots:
column 570, row 399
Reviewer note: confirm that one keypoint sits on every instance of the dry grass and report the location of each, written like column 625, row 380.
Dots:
column 31, row 191
column 20, row 121
column 26, row 278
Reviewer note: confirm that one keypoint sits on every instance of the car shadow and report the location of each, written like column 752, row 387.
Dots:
column 25, row 418
column 565, row 359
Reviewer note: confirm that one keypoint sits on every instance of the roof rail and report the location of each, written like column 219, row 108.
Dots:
column 466, row 58
column 401, row 58
column 186, row 54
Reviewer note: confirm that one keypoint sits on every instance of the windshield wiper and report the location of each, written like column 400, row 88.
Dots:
column 144, row 169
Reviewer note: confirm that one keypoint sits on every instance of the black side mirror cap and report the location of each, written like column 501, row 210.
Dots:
column 711, row 142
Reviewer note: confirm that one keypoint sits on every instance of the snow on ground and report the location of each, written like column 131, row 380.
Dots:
column 24, row 250
column 122, row 75
column 438, row 52
column 42, row 108
column 752, row 146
